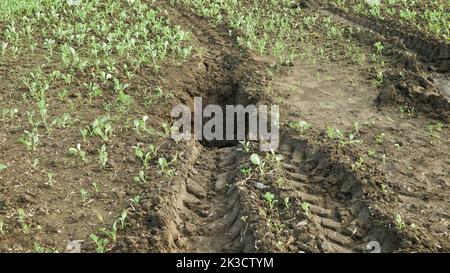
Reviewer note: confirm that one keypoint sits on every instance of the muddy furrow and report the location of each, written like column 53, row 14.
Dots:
column 210, row 206
column 339, row 219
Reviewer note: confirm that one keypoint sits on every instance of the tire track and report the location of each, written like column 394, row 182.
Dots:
column 211, row 209
column 338, row 217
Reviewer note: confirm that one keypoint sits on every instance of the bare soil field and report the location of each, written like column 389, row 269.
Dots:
column 88, row 164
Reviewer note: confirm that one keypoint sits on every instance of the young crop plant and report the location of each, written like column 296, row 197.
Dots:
column 9, row 114
column 335, row 133
column 2, row 227
column 96, row 187
column 103, row 156
column 135, row 201
column 434, row 131
column 30, row 139
column 246, row 146
column 378, row 80
column 260, row 163
column 274, row 158
column 94, row 90
column 358, row 164
column 112, row 233
column 41, row 249
column 167, row 129
column 399, row 223
column 305, row 207
column 50, row 179
column 100, row 127
column 379, row 47
column 62, row 121
column 146, row 155
column 26, row 227
column 286, row 202
column 270, row 199
column 140, row 125
column 101, row 244
column 78, row 152
column 84, row 195
column 379, row 139
column 140, row 178
column 300, row 126
column 165, row 166
column 124, row 215
column 247, row 172
column 409, row 111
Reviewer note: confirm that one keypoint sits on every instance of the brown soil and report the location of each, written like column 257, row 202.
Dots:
column 209, row 205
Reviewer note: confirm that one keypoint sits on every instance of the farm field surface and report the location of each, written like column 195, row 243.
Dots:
column 88, row 162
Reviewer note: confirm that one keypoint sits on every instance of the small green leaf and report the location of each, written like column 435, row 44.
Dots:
column 3, row 166
column 255, row 159
column 269, row 196
column 72, row 151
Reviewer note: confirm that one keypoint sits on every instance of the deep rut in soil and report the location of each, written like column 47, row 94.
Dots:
column 211, row 208
column 338, row 218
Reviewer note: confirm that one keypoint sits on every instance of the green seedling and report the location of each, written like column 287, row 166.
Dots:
column 41, row 249
column 245, row 145
column 30, row 139
column 434, row 130
column 103, row 156
column 399, row 222
column 62, row 95
column 84, row 134
column 3, row 167
column 247, row 172
column 256, row 160
column 96, row 187
column 358, row 165
column 168, row 129
column 21, row 216
column 286, row 202
column 2, row 227
column 35, row 164
column 84, row 195
column 140, row 125
column 135, row 201
column 100, row 243
column 100, row 127
column 300, row 126
column 122, row 219
column 409, row 111
column 280, row 182
column 50, row 179
column 77, row 152
column 379, row 139
column 112, row 234
column 334, row 133
column 378, row 81
column 356, row 127
column 9, row 114
column 305, row 207
column 164, row 165
column 62, row 121
column 379, row 47
column 270, row 199
column 140, row 178
column 147, row 155
column 274, row 158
